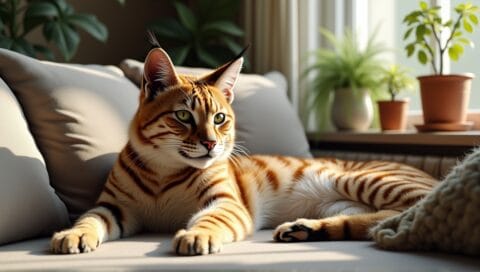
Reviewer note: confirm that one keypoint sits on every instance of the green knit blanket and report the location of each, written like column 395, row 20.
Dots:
column 447, row 219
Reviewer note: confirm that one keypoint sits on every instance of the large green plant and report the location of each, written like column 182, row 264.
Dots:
column 59, row 22
column 427, row 25
column 204, row 35
column 344, row 65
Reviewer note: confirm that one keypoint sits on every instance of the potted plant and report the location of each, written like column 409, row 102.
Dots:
column 348, row 75
column 201, row 35
column 393, row 112
column 60, row 25
column 444, row 97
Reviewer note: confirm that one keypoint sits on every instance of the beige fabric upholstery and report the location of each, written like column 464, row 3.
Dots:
column 153, row 252
column 262, row 110
column 437, row 166
column 79, row 117
column 28, row 205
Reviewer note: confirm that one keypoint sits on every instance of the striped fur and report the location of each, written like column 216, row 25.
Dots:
column 181, row 172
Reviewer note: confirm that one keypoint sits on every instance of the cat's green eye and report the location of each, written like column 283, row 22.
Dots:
column 219, row 118
column 183, row 115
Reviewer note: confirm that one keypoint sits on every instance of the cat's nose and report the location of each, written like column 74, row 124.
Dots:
column 209, row 145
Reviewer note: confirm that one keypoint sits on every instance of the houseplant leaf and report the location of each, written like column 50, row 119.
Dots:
column 231, row 44
column 423, row 5
column 224, row 27
column 410, row 49
column 179, row 54
column 467, row 26
column 22, row 46
column 186, row 16
column 38, row 13
column 90, row 24
column 422, row 57
column 473, row 19
column 64, row 36
column 455, row 51
column 41, row 9
column 207, row 57
column 465, row 41
column 407, row 33
column 214, row 10
column 5, row 42
column 171, row 29
column 45, row 51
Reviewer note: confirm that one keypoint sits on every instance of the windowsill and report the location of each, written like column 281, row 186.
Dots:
column 457, row 138
column 412, row 142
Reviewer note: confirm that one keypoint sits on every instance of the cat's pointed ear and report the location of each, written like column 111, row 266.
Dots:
column 159, row 72
column 225, row 77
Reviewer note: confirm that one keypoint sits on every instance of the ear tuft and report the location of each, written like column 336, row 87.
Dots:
column 227, row 80
column 159, row 72
column 225, row 77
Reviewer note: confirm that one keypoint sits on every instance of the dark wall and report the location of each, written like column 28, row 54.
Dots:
column 127, row 29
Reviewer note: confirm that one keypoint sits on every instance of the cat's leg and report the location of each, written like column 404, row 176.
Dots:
column 106, row 221
column 340, row 227
column 210, row 228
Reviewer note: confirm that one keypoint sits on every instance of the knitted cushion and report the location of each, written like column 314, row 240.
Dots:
column 448, row 219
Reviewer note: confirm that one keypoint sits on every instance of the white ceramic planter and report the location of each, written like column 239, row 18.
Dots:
column 352, row 110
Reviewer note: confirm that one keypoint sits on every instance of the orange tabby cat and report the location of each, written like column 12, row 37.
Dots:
column 180, row 172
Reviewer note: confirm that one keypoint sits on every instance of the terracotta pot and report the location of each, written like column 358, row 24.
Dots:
column 393, row 114
column 352, row 110
column 445, row 98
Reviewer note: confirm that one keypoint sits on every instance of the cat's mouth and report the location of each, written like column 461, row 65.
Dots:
column 185, row 155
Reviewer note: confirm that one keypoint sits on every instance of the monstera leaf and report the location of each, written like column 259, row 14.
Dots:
column 59, row 22
column 204, row 35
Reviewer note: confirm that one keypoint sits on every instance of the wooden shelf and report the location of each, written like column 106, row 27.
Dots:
column 464, row 138
column 435, row 143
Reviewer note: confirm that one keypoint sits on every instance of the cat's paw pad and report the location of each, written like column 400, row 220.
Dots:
column 193, row 242
column 73, row 241
column 299, row 230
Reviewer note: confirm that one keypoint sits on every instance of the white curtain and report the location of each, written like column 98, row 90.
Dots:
column 282, row 33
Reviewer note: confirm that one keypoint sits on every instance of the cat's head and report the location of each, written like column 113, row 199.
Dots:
column 185, row 120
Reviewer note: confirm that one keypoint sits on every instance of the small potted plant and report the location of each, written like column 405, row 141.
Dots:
column 444, row 97
column 343, row 80
column 393, row 112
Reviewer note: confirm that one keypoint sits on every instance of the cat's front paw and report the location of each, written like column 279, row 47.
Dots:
column 300, row 230
column 74, row 241
column 196, row 242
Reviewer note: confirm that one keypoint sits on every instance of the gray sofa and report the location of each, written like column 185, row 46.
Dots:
column 61, row 126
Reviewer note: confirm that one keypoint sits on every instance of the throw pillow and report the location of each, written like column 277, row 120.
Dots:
column 29, row 207
column 78, row 115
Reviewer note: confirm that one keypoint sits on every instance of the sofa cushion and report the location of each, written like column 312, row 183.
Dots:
column 79, row 116
column 262, row 110
column 28, row 205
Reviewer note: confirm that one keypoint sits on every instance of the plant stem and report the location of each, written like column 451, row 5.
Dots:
column 444, row 48
column 432, row 54
column 390, row 89
column 439, row 46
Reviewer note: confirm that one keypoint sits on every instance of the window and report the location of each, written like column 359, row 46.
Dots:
column 389, row 16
